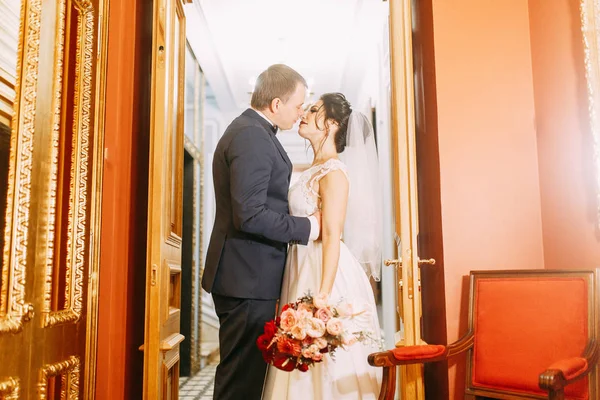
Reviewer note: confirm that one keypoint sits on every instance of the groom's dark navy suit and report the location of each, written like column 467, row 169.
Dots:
column 248, row 247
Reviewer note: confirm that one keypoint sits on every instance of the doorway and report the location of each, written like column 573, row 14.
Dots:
column 360, row 68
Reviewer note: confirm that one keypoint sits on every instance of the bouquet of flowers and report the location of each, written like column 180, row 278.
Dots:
column 308, row 329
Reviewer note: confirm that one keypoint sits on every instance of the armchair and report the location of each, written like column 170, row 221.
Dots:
column 531, row 334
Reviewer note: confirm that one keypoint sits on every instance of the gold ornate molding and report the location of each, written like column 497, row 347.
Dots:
column 590, row 26
column 91, row 348
column 9, row 389
column 13, row 309
column 69, row 372
column 80, row 160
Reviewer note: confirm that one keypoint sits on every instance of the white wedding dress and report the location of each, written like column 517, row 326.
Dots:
column 349, row 376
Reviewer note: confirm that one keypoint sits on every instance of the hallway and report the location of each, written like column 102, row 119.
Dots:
column 199, row 387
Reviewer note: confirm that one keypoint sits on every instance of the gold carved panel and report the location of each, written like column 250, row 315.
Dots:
column 61, row 377
column 16, row 208
column 52, row 66
column 70, row 163
column 9, row 389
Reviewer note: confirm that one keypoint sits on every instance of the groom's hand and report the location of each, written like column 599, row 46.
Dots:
column 317, row 215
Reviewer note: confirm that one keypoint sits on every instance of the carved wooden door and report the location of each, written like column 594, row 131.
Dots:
column 163, row 280
column 50, row 66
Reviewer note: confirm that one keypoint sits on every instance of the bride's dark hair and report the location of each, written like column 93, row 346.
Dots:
column 338, row 109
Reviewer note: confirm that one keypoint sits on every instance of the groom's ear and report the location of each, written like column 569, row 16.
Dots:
column 275, row 104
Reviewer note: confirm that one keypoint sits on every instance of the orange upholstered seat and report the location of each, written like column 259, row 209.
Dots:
column 531, row 334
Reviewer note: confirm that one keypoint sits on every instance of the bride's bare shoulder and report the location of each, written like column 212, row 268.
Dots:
column 335, row 181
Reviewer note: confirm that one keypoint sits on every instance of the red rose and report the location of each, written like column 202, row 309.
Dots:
column 303, row 367
column 268, row 355
column 284, row 363
column 263, row 342
column 270, row 329
column 288, row 346
column 285, row 307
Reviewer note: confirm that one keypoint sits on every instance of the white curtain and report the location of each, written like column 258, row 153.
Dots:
column 9, row 34
column 590, row 25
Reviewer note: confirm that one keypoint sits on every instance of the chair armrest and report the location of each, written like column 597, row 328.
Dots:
column 566, row 371
column 408, row 355
column 419, row 354
column 413, row 355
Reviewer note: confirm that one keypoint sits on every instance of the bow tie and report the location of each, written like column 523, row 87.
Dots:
column 274, row 128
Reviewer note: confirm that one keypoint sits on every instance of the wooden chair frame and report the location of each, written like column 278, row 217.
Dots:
column 551, row 380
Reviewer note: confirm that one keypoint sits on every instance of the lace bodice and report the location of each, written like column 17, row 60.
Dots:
column 303, row 198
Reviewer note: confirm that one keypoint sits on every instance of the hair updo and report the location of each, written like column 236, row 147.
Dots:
column 337, row 109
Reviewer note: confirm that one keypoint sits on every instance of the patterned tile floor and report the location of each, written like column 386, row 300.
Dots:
column 199, row 387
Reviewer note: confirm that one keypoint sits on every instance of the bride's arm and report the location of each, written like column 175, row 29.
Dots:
column 333, row 189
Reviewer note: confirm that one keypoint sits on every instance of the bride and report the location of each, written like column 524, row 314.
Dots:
column 342, row 182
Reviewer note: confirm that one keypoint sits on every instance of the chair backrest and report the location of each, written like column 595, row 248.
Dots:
column 522, row 322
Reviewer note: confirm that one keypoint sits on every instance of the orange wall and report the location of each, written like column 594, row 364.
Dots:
column 490, row 190
column 566, row 163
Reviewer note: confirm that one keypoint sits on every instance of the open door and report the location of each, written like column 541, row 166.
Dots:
column 165, row 187
column 419, row 277
column 405, row 193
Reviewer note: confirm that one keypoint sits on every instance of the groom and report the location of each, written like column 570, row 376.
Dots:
column 248, row 245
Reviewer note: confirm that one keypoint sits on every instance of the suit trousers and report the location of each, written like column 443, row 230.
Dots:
column 241, row 372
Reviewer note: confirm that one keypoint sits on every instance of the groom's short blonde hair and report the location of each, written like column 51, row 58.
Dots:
column 277, row 81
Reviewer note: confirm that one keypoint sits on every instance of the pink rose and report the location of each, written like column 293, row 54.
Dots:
column 321, row 343
column 310, row 351
column 315, row 328
column 298, row 332
column 317, row 357
column 307, row 352
column 321, row 300
column 324, row 314
column 334, row 326
column 288, row 319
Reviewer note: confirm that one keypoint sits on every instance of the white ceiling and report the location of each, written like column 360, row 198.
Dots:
column 310, row 36
column 330, row 42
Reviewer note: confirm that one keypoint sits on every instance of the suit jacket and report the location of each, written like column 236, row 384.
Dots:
column 248, row 245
